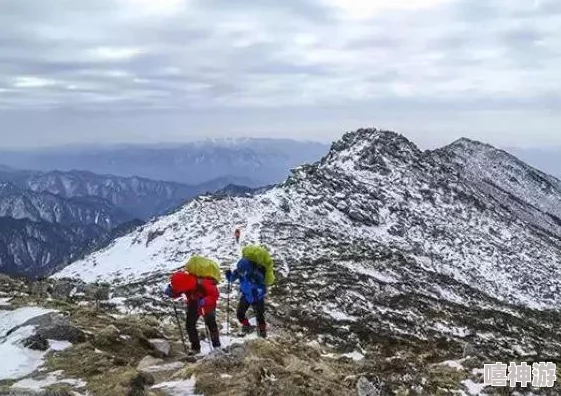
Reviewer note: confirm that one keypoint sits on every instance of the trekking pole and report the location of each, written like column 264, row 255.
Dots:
column 207, row 332
column 228, row 313
column 180, row 329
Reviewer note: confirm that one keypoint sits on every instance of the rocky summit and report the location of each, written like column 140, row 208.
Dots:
column 400, row 272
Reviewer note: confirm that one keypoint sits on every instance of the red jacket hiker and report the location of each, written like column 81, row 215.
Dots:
column 202, row 296
column 237, row 234
column 203, row 291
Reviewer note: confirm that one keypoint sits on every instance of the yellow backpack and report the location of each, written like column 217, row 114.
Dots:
column 260, row 256
column 204, row 268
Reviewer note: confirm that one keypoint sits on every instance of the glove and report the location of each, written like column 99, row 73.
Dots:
column 201, row 302
column 228, row 274
column 168, row 291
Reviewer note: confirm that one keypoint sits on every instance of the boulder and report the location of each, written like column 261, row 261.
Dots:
column 62, row 330
column 161, row 346
column 139, row 383
column 366, row 388
column 36, row 342
column 148, row 361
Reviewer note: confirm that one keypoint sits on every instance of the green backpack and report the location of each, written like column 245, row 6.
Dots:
column 203, row 268
column 260, row 256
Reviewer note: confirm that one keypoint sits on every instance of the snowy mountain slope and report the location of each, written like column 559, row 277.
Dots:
column 526, row 191
column 379, row 247
column 89, row 210
column 141, row 198
column 33, row 248
column 37, row 206
column 375, row 189
column 257, row 161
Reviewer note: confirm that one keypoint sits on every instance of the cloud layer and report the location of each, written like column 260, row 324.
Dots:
column 171, row 57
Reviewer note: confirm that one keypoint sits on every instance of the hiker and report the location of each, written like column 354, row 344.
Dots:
column 237, row 235
column 254, row 271
column 202, row 295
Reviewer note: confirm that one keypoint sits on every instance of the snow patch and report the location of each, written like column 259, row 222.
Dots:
column 474, row 388
column 339, row 316
column 356, row 356
column 178, row 388
column 455, row 364
column 18, row 361
column 5, row 301
column 50, row 379
column 59, row 345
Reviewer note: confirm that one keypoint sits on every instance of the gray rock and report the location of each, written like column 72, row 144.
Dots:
column 148, row 361
column 366, row 388
column 139, row 383
column 59, row 392
column 63, row 331
column 161, row 346
column 469, row 350
column 38, row 321
column 36, row 342
column 238, row 351
column 42, row 320
column 62, row 290
column 162, row 368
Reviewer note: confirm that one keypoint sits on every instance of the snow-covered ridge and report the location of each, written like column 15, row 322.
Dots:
column 509, row 180
column 374, row 192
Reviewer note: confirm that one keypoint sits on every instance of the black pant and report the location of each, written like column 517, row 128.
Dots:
column 258, row 309
column 210, row 321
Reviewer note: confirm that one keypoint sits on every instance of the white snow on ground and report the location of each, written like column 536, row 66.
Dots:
column 18, row 361
column 165, row 367
column 178, row 388
column 371, row 272
column 456, row 331
column 17, row 317
column 473, row 388
column 356, row 356
column 339, row 315
column 5, row 301
column 455, row 364
column 59, row 345
column 50, row 379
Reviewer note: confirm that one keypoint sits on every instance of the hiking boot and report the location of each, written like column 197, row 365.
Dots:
column 247, row 329
column 262, row 333
column 194, row 352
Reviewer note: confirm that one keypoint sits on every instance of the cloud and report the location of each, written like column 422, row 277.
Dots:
column 189, row 56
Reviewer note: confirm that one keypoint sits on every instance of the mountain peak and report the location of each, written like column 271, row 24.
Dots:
column 369, row 148
column 366, row 137
column 470, row 144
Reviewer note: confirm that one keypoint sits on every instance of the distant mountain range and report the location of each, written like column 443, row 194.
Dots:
column 250, row 162
column 50, row 218
column 137, row 197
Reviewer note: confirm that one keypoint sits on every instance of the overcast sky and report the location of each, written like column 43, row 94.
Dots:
column 173, row 70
